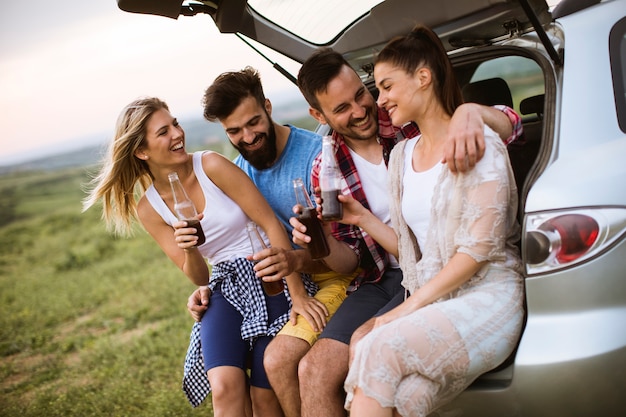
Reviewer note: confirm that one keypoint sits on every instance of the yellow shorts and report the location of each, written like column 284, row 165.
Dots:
column 332, row 292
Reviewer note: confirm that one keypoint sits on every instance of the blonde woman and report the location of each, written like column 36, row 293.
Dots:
column 241, row 320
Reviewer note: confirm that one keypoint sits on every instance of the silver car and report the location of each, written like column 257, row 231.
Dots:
column 563, row 69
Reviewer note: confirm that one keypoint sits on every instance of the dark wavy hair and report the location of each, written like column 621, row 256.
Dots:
column 228, row 91
column 317, row 71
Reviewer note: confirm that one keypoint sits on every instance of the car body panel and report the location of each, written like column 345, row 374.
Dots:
column 579, row 179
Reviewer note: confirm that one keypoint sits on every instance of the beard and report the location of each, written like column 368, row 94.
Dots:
column 265, row 156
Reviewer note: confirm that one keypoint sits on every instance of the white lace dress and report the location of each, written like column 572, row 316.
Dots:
column 423, row 360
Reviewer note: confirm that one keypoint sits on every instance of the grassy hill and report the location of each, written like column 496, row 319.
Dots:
column 90, row 324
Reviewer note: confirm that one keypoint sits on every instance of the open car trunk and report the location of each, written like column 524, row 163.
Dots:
column 459, row 23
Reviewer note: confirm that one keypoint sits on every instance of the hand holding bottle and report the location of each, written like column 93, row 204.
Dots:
column 186, row 236
column 184, row 207
column 330, row 182
column 317, row 246
column 353, row 211
column 300, row 233
column 258, row 244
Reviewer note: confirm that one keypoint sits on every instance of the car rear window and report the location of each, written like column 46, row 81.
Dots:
column 522, row 75
column 318, row 21
column 617, row 51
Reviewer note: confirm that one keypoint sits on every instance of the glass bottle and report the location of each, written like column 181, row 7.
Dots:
column 330, row 182
column 318, row 247
column 184, row 207
column 258, row 244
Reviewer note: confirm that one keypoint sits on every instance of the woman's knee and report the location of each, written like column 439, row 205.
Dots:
column 227, row 383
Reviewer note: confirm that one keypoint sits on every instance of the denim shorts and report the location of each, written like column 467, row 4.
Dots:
column 368, row 301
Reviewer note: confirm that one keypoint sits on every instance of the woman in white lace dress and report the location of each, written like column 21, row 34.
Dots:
column 455, row 238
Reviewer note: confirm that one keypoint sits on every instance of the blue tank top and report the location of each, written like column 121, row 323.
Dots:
column 296, row 161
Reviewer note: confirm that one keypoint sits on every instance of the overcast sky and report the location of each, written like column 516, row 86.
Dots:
column 68, row 67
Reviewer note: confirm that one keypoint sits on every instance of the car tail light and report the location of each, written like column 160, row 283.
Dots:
column 556, row 240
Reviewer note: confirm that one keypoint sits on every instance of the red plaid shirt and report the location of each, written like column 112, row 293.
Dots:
column 373, row 259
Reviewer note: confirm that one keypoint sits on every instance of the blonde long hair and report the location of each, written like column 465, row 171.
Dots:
column 123, row 176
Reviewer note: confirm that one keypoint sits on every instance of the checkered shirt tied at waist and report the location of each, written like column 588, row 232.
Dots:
column 242, row 289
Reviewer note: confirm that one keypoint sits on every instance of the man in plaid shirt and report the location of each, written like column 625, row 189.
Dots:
column 363, row 137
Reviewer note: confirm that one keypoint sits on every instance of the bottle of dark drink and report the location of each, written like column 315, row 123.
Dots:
column 330, row 182
column 318, row 247
column 184, row 207
column 258, row 244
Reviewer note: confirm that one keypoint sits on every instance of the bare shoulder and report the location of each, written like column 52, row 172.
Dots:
column 221, row 170
column 212, row 161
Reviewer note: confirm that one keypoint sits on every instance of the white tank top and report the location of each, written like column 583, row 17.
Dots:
column 374, row 182
column 418, row 193
column 224, row 223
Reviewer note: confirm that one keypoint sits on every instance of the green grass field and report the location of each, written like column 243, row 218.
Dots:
column 90, row 324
